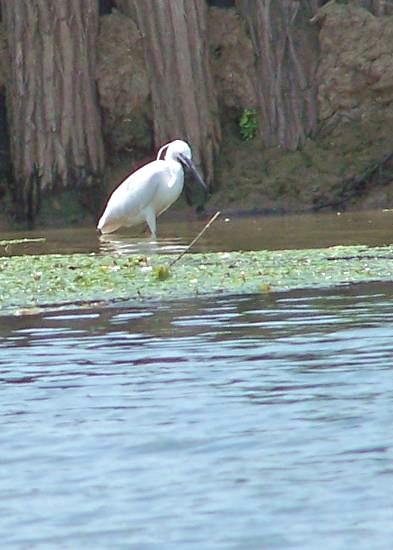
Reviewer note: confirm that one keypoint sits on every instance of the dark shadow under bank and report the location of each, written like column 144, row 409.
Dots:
column 349, row 167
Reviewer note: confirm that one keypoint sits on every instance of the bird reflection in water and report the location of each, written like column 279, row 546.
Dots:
column 125, row 245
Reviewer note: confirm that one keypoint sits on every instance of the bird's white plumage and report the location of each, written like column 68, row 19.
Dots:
column 147, row 192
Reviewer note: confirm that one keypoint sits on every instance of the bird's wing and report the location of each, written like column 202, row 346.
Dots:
column 136, row 192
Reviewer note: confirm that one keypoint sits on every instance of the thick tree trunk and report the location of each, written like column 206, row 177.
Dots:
column 51, row 97
column 286, row 48
column 377, row 7
column 183, row 94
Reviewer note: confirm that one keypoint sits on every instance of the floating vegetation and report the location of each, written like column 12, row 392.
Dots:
column 162, row 272
column 21, row 241
column 29, row 282
column 10, row 247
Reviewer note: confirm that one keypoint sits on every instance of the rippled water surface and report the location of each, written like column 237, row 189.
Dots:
column 251, row 422
column 238, row 423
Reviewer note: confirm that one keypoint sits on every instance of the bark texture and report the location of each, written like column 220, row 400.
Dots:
column 377, row 7
column 355, row 74
column 286, row 49
column 183, row 94
column 52, row 106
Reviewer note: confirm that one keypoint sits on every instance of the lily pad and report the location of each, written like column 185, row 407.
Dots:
column 57, row 280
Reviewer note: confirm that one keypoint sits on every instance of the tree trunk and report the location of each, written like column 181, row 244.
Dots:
column 52, row 106
column 183, row 94
column 377, row 7
column 286, row 48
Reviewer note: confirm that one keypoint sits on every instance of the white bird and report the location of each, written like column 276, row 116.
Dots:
column 149, row 191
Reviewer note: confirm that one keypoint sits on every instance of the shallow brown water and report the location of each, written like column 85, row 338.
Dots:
column 228, row 233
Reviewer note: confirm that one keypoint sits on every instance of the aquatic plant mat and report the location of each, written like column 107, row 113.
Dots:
column 30, row 283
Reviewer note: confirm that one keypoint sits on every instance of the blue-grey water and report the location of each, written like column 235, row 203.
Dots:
column 244, row 422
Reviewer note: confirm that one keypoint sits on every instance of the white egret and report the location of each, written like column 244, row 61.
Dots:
column 149, row 191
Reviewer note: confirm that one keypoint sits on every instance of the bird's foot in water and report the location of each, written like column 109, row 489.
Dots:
column 146, row 232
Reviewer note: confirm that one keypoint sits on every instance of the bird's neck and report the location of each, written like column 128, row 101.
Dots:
column 176, row 170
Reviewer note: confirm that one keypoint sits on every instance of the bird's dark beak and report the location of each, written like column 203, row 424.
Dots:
column 192, row 168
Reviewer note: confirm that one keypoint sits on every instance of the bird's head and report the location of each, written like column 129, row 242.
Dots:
column 174, row 149
column 180, row 150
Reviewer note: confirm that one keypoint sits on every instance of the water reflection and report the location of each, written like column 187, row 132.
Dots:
column 240, row 422
column 123, row 245
column 202, row 424
column 227, row 233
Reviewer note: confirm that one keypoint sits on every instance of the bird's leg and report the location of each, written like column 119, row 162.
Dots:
column 150, row 218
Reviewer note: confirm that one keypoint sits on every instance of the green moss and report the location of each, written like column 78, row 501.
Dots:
column 248, row 124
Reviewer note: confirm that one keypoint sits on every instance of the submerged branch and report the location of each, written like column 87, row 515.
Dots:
column 209, row 223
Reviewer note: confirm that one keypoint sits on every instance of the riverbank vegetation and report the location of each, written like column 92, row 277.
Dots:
column 30, row 283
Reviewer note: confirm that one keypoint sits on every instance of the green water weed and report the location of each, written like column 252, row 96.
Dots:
column 248, row 124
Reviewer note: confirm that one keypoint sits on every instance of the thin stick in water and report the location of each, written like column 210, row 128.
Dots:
column 212, row 220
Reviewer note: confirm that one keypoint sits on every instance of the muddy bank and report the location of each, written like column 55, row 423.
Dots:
column 346, row 164
column 348, row 168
